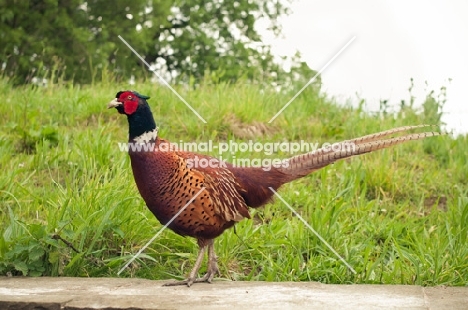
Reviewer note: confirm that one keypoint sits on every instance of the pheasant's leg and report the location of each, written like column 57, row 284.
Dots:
column 193, row 274
column 212, row 265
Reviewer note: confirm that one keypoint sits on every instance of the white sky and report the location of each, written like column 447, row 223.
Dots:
column 395, row 40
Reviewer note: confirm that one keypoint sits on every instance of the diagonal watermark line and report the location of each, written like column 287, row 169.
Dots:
column 313, row 230
column 163, row 80
column 160, row 231
column 312, row 79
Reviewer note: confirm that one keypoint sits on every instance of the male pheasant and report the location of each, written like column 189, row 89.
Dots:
column 167, row 182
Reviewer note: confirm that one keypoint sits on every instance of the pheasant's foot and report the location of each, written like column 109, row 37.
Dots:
column 212, row 271
column 208, row 277
column 210, row 274
column 187, row 282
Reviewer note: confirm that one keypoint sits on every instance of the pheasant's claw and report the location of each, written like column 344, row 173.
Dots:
column 208, row 278
column 187, row 282
column 212, row 271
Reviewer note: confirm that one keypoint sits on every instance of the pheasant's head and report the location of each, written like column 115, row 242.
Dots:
column 128, row 101
column 134, row 105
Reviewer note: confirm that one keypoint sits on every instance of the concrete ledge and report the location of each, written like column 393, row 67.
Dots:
column 115, row 293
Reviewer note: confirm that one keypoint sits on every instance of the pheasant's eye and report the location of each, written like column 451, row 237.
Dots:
column 129, row 97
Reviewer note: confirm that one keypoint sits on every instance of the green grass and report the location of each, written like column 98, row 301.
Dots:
column 69, row 205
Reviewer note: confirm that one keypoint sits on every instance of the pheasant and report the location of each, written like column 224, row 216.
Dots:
column 202, row 202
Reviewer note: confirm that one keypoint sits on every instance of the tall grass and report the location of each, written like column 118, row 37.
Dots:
column 69, row 205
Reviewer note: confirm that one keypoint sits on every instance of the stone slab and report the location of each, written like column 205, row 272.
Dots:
column 117, row 293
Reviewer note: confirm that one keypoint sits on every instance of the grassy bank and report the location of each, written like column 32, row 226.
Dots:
column 69, row 205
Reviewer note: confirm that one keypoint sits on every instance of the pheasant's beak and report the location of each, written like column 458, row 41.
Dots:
column 114, row 103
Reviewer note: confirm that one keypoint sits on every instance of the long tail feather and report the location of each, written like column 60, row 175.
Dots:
column 386, row 133
column 304, row 164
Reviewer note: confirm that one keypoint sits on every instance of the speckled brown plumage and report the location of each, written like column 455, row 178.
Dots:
column 171, row 184
column 167, row 182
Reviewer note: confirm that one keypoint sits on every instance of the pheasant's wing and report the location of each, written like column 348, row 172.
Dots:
column 223, row 191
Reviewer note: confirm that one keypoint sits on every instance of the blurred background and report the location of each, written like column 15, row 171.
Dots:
column 396, row 41
column 403, row 52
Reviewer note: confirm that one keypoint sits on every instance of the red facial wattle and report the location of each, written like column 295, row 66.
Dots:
column 130, row 102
